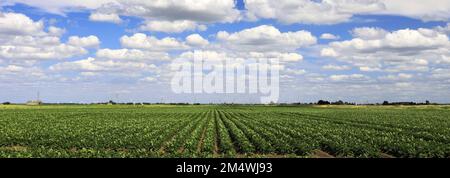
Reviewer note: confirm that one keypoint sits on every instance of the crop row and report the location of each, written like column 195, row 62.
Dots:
column 223, row 131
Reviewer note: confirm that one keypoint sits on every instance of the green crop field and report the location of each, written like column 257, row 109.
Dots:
column 224, row 131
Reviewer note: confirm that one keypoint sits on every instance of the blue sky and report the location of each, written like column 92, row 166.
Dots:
column 373, row 50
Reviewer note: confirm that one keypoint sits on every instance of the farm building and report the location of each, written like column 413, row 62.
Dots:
column 34, row 102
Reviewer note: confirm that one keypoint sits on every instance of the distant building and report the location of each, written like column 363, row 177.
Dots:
column 34, row 102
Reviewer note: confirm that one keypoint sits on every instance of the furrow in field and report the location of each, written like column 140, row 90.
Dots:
column 224, row 142
column 340, row 141
column 262, row 146
column 303, row 142
column 347, row 140
column 340, row 122
column 239, row 139
column 216, row 135
column 379, row 124
column 169, row 136
column 203, row 133
column 280, row 141
column 208, row 143
column 176, row 145
column 152, row 128
column 314, row 136
column 191, row 142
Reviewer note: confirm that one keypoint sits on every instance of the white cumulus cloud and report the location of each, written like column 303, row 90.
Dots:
column 329, row 36
column 266, row 38
column 131, row 54
column 196, row 40
column 105, row 17
column 89, row 41
column 171, row 26
column 336, row 67
column 374, row 49
column 310, row 12
column 142, row 41
column 23, row 39
column 19, row 24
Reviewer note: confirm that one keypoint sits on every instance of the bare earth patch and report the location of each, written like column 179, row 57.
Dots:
column 384, row 155
column 321, row 154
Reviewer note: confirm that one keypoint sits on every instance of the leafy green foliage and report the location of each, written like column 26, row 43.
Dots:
column 223, row 131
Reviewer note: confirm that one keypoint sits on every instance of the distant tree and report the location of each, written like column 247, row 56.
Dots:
column 322, row 102
column 340, row 102
column 427, row 102
column 111, row 102
column 6, row 103
column 385, row 102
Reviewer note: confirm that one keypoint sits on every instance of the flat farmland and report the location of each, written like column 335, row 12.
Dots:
column 224, row 131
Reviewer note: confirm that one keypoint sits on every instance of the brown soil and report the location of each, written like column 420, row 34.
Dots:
column 321, row 154
column 384, row 155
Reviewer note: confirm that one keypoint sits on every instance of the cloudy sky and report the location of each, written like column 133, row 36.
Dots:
column 96, row 50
